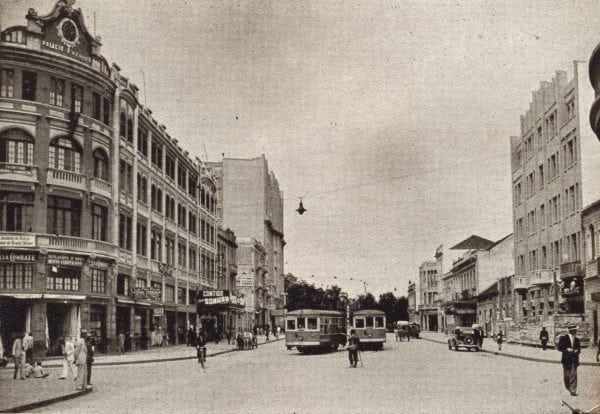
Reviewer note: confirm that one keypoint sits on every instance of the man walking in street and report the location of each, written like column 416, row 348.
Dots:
column 28, row 348
column 499, row 339
column 570, row 347
column 18, row 356
column 544, row 337
column 353, row 344
column 89, row 344
column 80, row 356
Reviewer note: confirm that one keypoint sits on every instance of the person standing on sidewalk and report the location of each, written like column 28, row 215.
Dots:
column 80, row 355
column 499, row 339
column 570, row 347
column 89, row 360
column 68, row 363
column 544, row 337
column 18, row 356
column 121, row 343
column 28, row 347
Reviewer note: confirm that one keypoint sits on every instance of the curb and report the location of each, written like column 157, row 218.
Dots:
column 524, row 358
column 43, row 403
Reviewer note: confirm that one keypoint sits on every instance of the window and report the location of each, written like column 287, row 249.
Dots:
column 123, row 283
column 369, row 321
column 544, row 258
column 192, row 258
column 64, row 154
column 518, row 193
column 170, row 167
column 16, row 147
column 100, row 164
column 125, row 235
column 311, row 323
column 156, row 244
column 16, row 275
column 553, row 166
column 192, row 223
column 530, row 185
column 169, row 293
column 542, row 217
column 76, row 98
column 143, row 141
column 571, row 199
column 192, row 179
column 170, row 249
column 98, row 280
column 142, row 188
column 28, row 85
column 140, row 283
column 570, row 153
column 533, row 264
column 16, row 211
column 519, row 229
column 181, row 295
column 359, row 323
column 379, row 322
column 126, row 121
column 541, row 176
column 531, row 222
column 125, row 177
column 181, row 215
column 64, row 216
column 156, row 154
column 181, row 254
column 99, row 222
column 96, row 106
column 66, row 278
column 7, row 83
column 14, row 36
column 169, row 207
column 529, row 147
column 57, row 91
column 106, row 112
column 142, row 238
column 181, row 176
column 291, row 325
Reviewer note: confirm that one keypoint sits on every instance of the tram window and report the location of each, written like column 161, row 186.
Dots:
column 369, row 321
column 291, row 324
column 301, row 323
column 311, row 323
column 379, row 321
column 359, row 323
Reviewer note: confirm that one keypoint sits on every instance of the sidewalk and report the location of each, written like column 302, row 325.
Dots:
column 526, row 352
column 21, row 396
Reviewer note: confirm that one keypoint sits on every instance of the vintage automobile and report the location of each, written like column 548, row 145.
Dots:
column 415, row 330
column 463, row 337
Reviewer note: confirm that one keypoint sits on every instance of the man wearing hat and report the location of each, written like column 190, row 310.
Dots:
column 80, row 356
column 570, row 347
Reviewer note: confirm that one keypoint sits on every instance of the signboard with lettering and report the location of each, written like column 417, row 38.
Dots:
column 67, row 35
column 147, row 293
column 245, row 281
column 218, row 297
column 158, row 311
column 16, row 257
column 17, row 240
column 64, row 259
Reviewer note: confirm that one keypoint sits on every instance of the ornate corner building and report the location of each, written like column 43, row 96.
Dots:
column 106, row 223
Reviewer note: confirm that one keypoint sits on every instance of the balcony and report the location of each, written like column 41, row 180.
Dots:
column 65, row 178
column 101, row 187
column 18, row 172
column 125, row 256
column 142, row 262
column 571, row 269
column 76, row 244
column 520, row 283
column 126, row 199
column 541, row 277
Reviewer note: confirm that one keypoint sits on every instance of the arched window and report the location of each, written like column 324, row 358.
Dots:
column 122, row 123
column 16, row 147
column 100, row 164
column 129, row 124
column 64, row 154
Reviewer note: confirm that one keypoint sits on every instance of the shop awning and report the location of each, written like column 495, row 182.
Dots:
column 21, row 295
column 127, row 301
column 56, row 296
column 50, row 296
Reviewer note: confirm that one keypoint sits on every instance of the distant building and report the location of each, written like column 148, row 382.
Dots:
column 590, row 220
column 555, row 164
column 413, row 313
column 494, row 306
column 251, row 205
column 428, row 291
column 252, row 282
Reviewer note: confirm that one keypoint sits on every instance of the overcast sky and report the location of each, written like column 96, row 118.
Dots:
column 391, row 118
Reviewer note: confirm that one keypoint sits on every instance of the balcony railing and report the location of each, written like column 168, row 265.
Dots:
column 571, row 269
column 142, row 262
column 541, row 277
column 126, row 199
column 125, row 256
column 101, row 187
column 76, row 244
column 520, row 282
column 66, row 178
column 18, row 172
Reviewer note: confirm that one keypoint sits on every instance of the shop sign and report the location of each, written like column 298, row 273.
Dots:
column 99, row 264
column 245, row 281
column 158, row 311
column 212, row 293
column 148, row 293
column 16, row 240
column 17, row 257
column 64, row 260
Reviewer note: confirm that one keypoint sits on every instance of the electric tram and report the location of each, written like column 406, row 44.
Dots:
column 312, row 330
column 369, row 325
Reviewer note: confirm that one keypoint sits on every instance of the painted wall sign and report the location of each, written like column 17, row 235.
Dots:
column 17, row 240
column 17, row 257
column 64, row 259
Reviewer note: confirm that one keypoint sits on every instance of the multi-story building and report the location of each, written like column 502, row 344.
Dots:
column 554, row 174
column 412, row 296
column 494, row 306
column 483, row 263
column 106, row 222
column 252, row 282
column 251, row 204
column 590, row 221
column 428, row 292
column 231, row 313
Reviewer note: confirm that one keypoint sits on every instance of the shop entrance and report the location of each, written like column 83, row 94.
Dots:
column 63, row 320
column 98, row 326
column 123, row 324
column 13, row 317
column 171, row 326
column 432, row 323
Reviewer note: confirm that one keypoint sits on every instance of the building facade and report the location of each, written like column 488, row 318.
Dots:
column 590, row 220
column 412, row 309
column 428, row 294
column 553, row 168
column 251, row 204
column 106, row 222
column 252, row 282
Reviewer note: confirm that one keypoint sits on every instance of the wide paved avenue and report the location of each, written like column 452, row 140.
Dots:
column 417, row 376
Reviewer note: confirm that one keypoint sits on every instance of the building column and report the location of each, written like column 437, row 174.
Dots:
column 38, row 329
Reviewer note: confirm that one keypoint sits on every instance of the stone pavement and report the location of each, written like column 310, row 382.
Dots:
column 21, row 396
column 526, row 352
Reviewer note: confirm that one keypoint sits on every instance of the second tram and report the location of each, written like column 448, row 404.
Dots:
column 310, row 329
column 369, row 325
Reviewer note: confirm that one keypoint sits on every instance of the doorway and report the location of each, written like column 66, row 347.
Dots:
column 63, row 320
column 13, row 319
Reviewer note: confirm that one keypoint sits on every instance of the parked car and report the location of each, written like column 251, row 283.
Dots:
column 415, row 330
column 463, row 337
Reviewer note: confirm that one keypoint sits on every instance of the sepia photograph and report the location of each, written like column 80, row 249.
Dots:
column 300, row 206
